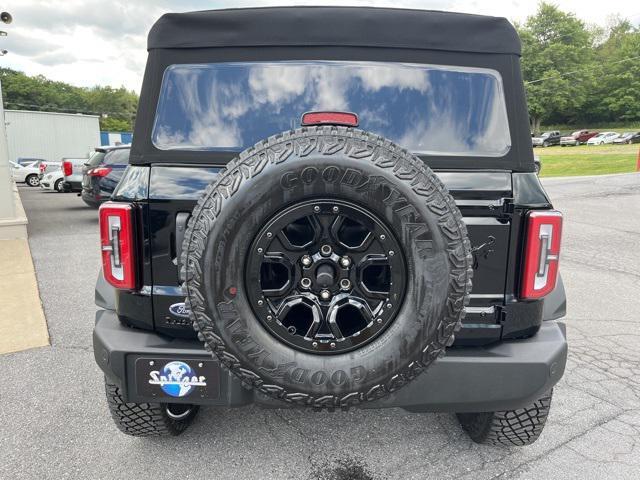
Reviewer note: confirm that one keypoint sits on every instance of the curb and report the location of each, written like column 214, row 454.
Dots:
column 22, row 321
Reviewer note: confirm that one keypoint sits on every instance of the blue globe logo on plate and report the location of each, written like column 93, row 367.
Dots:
column 178, row 377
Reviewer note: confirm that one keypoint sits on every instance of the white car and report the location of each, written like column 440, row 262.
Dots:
column 602, row 138
column 53, row 181
column 26, row 174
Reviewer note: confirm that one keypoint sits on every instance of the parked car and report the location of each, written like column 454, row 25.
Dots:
column 24, row 161
column 53, row 181
column 26, row 173
column 602, row 138
column 102, row 172
column 329, row 266
column 577, row 138
column 547, row 139
column 628, row 138
column 72, row 170
column 47, row 166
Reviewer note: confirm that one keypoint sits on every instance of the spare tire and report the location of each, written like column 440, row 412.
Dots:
column 326, row 267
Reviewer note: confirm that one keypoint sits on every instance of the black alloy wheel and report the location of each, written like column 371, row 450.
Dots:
column 325, row 276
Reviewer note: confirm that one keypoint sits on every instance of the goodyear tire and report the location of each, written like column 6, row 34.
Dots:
column 345, row 165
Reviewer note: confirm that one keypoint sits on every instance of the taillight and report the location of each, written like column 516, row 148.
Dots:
column 43, row 167
column 347, row 119
column 117, row 244
column 67, row 168
column 541, row 253
column 99, row 171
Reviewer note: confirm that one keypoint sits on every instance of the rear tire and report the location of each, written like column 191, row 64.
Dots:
column 148, row 419
column 508, row 428
column 58, row 186
column 32, row 180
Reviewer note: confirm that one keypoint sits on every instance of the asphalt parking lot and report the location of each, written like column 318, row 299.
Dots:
column 55, row 422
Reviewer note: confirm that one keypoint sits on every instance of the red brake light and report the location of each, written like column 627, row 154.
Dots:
column 43, row 167
column 67, row 168
column 541, row 254
column 117, row 245
column 347, row 119
column 99, row 171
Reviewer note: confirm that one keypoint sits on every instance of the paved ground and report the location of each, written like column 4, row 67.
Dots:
column 55, row 422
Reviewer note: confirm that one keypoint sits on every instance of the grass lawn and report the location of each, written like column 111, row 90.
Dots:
column 587, row 160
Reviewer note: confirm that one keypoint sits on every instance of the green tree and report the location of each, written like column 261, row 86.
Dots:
column 554, row 45
column 116, row 106
column 112, row 124
column 616, row 95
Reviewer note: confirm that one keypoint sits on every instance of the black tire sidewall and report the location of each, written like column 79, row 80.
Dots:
column 421, row 328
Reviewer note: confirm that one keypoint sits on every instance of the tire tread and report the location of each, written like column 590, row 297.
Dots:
column 509, row 428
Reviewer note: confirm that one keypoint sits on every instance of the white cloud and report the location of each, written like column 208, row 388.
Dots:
column 93, row 42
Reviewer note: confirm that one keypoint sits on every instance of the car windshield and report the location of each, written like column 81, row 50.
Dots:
column 425, row 108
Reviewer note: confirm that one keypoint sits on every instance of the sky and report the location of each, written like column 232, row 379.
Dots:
column 103, row 42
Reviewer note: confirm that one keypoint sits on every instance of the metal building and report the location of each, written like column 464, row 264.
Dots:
column 50, row 136
column 115, row 138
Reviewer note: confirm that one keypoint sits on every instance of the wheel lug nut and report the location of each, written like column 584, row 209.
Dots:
column 383, row 236
column 333, row 345
column 315, row 344
column 345, row 284
column 325, row 250
column 391, row 253
column 305, row 283
column 379, row 320
column 335, row 209
column 345, row 261
column 260, row 302
column 306, row 260
column 316, row 209
column 269, row 318
column 389, row 305
column 325, row 294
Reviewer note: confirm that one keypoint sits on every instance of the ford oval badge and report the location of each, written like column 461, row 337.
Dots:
column 179, row 310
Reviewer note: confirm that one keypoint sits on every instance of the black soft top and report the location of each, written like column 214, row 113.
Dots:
column 335, row 26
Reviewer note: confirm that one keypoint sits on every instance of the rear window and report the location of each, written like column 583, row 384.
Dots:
column 95, row 159
column 117, row 157
column 428, row 109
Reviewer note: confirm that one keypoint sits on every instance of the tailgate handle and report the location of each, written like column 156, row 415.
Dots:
column 182, row 219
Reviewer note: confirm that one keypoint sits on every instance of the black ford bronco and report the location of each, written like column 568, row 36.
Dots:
column 331, row 208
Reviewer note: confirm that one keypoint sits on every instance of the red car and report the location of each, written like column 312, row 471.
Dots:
column 576, row 138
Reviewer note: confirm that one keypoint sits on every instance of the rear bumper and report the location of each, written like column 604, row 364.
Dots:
column 503, row 376
column 89, row 197
column 72, row 186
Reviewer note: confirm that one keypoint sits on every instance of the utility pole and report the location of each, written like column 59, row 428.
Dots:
column 7, row 205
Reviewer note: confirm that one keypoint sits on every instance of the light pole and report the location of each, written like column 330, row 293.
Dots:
column 7, row 205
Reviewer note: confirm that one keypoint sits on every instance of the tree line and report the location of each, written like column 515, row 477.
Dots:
column 579, row 74
column 116, row 106
column 574, row 74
